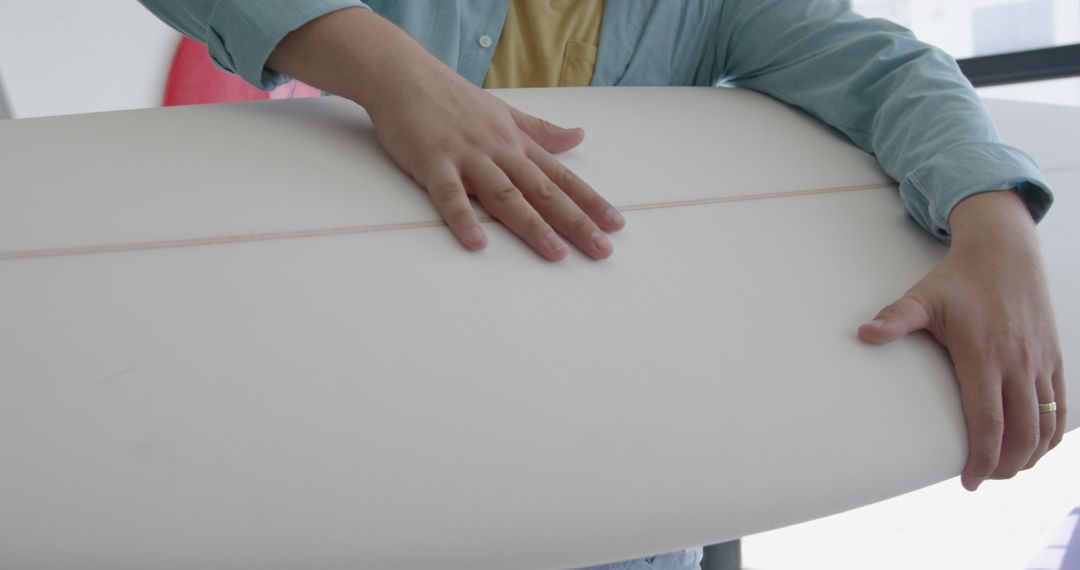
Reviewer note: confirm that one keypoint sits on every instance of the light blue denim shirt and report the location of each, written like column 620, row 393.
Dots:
column 902, row 100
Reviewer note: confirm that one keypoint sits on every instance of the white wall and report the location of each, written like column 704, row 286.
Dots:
column 78, row 56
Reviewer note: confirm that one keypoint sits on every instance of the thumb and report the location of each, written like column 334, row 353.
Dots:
column 550, row 137
column 896, row 320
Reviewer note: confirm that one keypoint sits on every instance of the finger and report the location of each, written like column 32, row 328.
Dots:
column 550, row 137
column 896, row 320
column 980, row 395
column 1044, row 392
column 448, row 193
column 557, row 208
column 594, row 205
column 1058, row 382
column 1021, row 424
column 504, row 201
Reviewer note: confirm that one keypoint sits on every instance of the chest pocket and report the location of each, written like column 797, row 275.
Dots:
column 578, row 65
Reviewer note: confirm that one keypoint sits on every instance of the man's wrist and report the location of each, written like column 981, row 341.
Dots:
column 998, row 217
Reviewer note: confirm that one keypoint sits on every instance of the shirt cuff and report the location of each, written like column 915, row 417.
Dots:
column 242, row 34
column 932, row 191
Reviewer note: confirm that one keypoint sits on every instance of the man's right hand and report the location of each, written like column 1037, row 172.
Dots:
column 452, row 137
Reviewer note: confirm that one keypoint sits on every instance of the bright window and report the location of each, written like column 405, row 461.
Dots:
column 970, row 28
column 974, row 28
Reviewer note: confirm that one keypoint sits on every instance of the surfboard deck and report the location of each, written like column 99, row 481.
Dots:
column 282, row 359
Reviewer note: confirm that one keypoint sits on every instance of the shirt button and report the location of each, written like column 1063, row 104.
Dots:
column 485, row 41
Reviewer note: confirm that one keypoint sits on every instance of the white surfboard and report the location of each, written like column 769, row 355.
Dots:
column 238, row 336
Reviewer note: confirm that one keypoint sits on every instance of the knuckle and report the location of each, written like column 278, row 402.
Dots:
column 521, row 118
column 507, row 138
column 1026, row 356
column 1032, row 461
column 581, row 224
column 505, row 194
column 1029, row 440
column 444, row 146
column 595, row 201
column 536, row 226
column 982, row 464
column 547, row 192
column 562, row 175
column 459, row 216
column 991, row 422
column 1003, row 350
column 890, row 312
column 1007, row 473
column 446, row 192
column 539, row 130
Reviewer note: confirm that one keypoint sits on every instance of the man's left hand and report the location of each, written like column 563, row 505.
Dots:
column 988, row 303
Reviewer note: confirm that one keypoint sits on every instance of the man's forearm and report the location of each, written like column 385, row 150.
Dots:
column 350, row 53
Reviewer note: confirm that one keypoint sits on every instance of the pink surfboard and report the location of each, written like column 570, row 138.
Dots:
column 193, row 80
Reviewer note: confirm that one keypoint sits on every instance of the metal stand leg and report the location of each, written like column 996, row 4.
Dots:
column 5, row 107
column 725, row 556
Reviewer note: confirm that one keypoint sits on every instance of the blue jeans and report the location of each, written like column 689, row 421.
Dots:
column 679, row 560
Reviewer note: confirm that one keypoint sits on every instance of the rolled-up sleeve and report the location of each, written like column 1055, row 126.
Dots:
column 241, row 34
column 894, row 96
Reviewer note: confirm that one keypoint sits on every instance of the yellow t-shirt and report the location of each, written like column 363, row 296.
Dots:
column 547, row 43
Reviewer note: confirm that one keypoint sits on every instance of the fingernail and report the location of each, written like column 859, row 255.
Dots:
column 601, row 242
column 555, row 243
column 614, row 217
column 475, row 236
column 878, row 322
